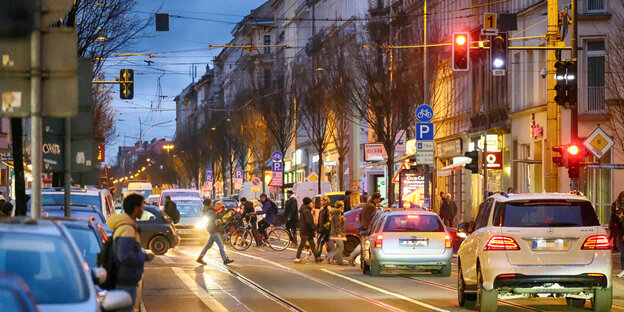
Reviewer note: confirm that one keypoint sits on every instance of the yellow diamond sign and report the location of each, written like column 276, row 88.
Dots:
column 598, row 143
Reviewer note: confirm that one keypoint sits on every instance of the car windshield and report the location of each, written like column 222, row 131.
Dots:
column 87, row 243
column 181, row 194
column 189, row 208
column 59, row 199
column 334, row 198
column 145, row 193
column 545, row 214
column 413, row 223
column 46, row 264
column 230, row 204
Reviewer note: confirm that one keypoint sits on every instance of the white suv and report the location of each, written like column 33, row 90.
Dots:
column 522, row 245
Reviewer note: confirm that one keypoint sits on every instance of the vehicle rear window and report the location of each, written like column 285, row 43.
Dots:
column 47, row 265
column 546, row 214
column 413, row 223
column 87, row 244
column 59, row 199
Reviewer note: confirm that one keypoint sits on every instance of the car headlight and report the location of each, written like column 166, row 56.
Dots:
column 462, row 235
column 202, row 223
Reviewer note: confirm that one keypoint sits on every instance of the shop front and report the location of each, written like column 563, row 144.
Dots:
column 451, row 176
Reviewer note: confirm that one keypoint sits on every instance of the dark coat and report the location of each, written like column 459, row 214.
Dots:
column 212, row 226
column 171, row 209
column 616, row 223
column 306, row 224
column 323, row 221
column 290, row 210
column 366, row 217
column 446, row 211
column 248, row 207
column 347, row 203
column 337, row 221
column 453, row 208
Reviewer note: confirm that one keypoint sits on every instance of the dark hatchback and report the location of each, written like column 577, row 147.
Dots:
column 88, row 236
column 157, row 231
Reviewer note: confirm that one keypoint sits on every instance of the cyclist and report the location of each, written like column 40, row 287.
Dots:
column 249, row 214
column 269, row 210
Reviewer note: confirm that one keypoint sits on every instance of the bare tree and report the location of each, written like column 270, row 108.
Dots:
column 615, row 79
column 103, row 114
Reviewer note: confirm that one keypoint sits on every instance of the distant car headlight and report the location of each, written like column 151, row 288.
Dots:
column 462, row 235
column 202, row 223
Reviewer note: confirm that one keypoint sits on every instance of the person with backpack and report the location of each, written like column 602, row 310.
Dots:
column 306, row 231
column 171, row 209
column 269, row 210
column 122, row 256
column 324, row 226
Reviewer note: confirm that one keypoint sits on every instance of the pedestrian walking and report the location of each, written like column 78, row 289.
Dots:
column 446, row 211
column 616, row 227
column 347, row 201
column 306, row 230
column 366, row 218
column 324, row 226
column 337, row 232
column 452, row 210
column 127, row 248
column 214, row 237
column 171, row 209
column 269, row 210
column 292, row 216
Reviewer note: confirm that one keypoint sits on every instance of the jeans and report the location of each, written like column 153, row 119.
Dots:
column 302, row 244
column 337, row 252
column 322, row 240
column 262, row 226
column 132, row 290
column 214, row 238
column 620, row 242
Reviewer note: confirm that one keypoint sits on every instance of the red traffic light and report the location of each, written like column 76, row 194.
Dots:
column 573, row 150
column 461, row 51
column 460, row 40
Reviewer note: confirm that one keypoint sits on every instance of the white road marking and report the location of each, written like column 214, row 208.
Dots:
column 166, row 259
column 383, row 291
column 201, row 293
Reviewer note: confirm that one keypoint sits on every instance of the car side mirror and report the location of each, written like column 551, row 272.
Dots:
column 116, row 300
column 464, row 228
column 99, row 275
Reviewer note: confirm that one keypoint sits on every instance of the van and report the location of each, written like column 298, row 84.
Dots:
column 310, row 189
column 143, row 188
column 246, row 192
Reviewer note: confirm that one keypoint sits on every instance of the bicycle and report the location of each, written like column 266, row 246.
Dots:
column 277, row 238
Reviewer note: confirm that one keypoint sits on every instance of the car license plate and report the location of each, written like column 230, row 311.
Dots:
column 185, row 231
column 550, row 245
column 414, row 242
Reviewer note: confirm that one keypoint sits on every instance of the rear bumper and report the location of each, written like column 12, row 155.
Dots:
column 411, row 260
column 534, row 283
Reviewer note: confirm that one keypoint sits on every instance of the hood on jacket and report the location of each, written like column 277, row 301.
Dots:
column 120, row 219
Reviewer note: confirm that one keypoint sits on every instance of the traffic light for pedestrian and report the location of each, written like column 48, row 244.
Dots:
column 461, row 51
column 126, row 87
column 566, row 87
column 498, row 52
column 475, row 162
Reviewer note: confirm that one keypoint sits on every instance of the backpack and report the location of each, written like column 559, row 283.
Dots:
column 107, row 260
column 173, row 212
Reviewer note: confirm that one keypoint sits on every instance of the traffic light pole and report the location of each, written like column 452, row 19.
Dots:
column 428, row 178
column 553, row 111
column 574, row 181
column 36, row 136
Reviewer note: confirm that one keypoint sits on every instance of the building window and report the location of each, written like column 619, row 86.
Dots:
column 594, row 6
column 267, row 42
column 595, row 76
column 598, row 188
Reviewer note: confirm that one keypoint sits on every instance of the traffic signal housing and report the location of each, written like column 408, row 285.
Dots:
column 126, row 87
column 566, row 87
column 574, row 155
column 559, row 161
column 475, row 163
column 498, row 52
column 461, row 51
column 17, row 18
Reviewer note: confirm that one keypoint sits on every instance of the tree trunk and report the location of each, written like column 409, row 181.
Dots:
column 320, row 168
column 389, row 184
column 341, row 172
column 18, row 163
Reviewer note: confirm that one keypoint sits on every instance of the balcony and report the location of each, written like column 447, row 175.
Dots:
column 594, row 97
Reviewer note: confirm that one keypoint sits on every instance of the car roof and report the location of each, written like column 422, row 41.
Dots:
column 27, row 225
column 411, row 212
column 537, row 196
column 178, row 190
column 189, row 198
column 90, row 192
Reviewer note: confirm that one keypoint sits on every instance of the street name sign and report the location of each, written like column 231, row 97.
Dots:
column 598, row 143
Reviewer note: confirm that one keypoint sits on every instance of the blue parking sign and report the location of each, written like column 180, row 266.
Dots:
column 238, row 174
column 277, row 167
column 424, row 131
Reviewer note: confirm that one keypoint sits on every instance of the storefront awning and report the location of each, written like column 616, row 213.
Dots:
column 446, row 171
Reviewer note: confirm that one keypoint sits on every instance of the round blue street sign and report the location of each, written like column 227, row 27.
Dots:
column 277, row 157
column 424, row 113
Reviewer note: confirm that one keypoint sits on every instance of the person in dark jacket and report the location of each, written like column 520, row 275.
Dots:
column 446, row 211
column 452, row 210
column 366, row 217
column 214, row 237
column 306, row 230
column 337, row 232
column 616, row 227
column 269, row 210
column 347, row 201
column 171, row 209
column 249, row 213
column 324, row 226
column 128, row 252
column 292, row 216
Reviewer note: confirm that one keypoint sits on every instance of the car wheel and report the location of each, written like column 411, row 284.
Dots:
column 486, row 299
column 350, row 245
column 602, row 300
column 464, row 299
column 575, row 302
column 446, row 270
column 375, row 269
column 159, row 245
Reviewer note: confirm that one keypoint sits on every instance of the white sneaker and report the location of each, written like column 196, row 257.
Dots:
column 297, row 260
column 621, row 275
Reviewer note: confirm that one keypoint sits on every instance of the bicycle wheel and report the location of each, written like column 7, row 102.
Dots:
column 241, row 239
column 279, row 239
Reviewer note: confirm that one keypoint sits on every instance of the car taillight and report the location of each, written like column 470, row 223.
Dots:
column 597, row 242
column 379, row 241
column 447, row 241
column 502, row 243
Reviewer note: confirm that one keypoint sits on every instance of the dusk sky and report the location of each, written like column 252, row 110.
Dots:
column 193, row 32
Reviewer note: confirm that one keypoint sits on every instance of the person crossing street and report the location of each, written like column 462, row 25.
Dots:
column 292, row 216
column 214, row 236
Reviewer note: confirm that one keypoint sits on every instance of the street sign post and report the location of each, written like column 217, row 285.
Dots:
column 598, row 143
column 255, row 184
column 238, row 179
column 277, row 157
column 424, row 146
column 424, row 113
column 490, row 26
column 209, row 179
column 424, row 131
column 277, row 175
column 424, row 158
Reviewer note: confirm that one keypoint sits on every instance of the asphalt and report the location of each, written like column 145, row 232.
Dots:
column 261, row 279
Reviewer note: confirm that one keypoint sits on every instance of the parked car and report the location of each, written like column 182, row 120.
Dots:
column 84, row 212
column 153, row 199
column 157, row 231
column 101, row 199
column 15, row 295
column 192, row 225
column 45, row 256
column 177, row 193
column 407, row 240
column 546, row 244
column 88, row 236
